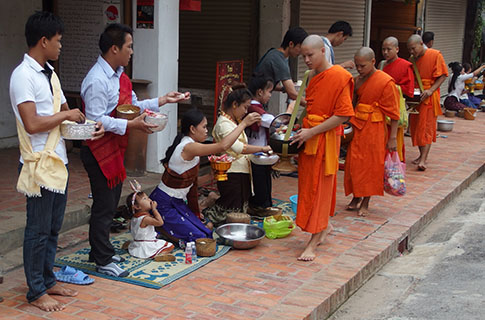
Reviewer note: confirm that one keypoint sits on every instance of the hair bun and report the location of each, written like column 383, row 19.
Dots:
column 238, row 85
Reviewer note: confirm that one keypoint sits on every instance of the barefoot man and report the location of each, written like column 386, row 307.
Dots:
column 329, row 97
column 39, row 107
column 402, row 72
column 433, row 72
column 375, row 96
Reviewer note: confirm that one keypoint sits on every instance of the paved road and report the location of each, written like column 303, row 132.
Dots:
column 443, row 277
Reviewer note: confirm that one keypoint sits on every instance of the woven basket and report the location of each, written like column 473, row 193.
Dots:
column 205, row 247
column 238, row 217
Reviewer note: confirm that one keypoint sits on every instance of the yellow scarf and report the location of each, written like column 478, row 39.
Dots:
column 45, row 168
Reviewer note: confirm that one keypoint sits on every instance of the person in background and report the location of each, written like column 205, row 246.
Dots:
column 104, row 88
column 337, row 34
column 475, row 99
column 428, row 39
column 457, row 98
column 274, row 63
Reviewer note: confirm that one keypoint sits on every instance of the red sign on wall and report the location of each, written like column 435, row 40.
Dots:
column 190, row 5
column 227, row 73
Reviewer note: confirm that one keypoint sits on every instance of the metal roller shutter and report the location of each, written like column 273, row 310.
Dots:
column 316, row 16
column 446, row 18
column 223, row 30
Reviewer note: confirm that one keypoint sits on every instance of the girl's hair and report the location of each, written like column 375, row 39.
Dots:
column 239, row 94
column 259, row 81
column 192, row 117
column 456, row 68
column 131, row 200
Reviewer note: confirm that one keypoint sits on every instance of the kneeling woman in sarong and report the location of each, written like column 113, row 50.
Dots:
column 179, row 181
column 236, row 190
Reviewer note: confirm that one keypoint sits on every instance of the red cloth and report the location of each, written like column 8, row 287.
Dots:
column 402, row 72
column 109, row 151
column 256, row 107
column 329, row 93
column 364, row 165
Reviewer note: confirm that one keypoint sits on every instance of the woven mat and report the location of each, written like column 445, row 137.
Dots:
column 146, row 273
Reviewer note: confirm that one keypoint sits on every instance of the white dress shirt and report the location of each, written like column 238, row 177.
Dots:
column 100, row 91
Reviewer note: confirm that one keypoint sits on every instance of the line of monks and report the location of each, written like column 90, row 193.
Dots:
column 334, row 97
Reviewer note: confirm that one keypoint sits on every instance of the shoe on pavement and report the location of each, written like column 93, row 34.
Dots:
column 111, row 269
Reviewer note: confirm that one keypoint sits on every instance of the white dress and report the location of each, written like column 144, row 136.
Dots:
column 145, row 243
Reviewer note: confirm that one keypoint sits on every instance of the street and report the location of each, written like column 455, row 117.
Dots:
column 443, row 277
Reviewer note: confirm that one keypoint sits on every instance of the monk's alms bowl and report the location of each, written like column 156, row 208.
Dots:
column 277, row 131
column 240, row 235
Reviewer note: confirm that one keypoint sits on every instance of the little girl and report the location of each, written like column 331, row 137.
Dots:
column 145, row 243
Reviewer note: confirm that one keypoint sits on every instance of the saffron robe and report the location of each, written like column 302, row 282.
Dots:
column 364, row 165
column 431, row 66
column 329, row 93
column 402, row 72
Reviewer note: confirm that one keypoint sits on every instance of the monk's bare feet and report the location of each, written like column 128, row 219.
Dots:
column 417, row 160
column 325, row 233
column 48, row 304
column 62, row 291
column 354, row 204
column 309, row 253
column 422, row 166
column 364, row 207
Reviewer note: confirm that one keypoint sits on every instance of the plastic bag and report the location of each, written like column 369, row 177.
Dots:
column 394, row 180
column 278, row 226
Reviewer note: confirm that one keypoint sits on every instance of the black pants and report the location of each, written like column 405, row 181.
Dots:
column 105, row 202
column 262, row 186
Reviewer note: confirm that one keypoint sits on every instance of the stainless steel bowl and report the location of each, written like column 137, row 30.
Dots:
column 445, row 125
column 264, row 159
column 71, row 130
column 240, row 235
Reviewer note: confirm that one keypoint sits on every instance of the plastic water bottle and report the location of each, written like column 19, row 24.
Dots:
column 194, row 252
column 188, row 254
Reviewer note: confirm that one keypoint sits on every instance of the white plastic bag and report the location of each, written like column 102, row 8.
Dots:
column 394, row 180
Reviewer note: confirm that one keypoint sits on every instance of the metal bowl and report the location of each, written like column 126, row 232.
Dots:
column 264, row 159
column 160, row 119
column 71, row 130
column 240, row 235
column 276, row 138
column 445, row 125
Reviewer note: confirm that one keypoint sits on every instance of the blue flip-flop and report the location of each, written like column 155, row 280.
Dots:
column 71, row 275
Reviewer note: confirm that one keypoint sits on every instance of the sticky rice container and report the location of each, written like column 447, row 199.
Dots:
column 159, row 119
column 71, row 130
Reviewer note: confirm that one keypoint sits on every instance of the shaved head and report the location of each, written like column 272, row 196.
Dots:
column 392, row 41
column 313, row 41
column 415, row 38
column 365, row 52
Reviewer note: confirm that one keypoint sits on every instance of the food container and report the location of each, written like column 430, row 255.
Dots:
column 264, row 159
column 205, row 247
column 278, row 226
column 220, row 169
column 445, row 125
column 470, row 113
column 277, row 131
column 348, row 134
column 240, row 235
column 127, row 111
column 294, row 202
column 159, row 119
column 450, row 113
column 238, row 217
column 71, row 130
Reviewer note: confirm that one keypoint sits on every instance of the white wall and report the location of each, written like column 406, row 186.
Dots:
column 13, row 15
column 155, row 58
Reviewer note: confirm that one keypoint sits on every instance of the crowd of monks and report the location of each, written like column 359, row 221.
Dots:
column 371, row 102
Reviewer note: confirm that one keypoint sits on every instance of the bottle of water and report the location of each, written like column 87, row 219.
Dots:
column 194, row 252
column 188, row 254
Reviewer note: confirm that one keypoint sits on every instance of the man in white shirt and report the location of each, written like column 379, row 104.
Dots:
column 40, row 107
column 104, row 88
column 337, row 34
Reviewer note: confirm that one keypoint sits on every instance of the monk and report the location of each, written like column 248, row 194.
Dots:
column 402, row 72
column 329, row 104
column 433, row 71
column 375, row 96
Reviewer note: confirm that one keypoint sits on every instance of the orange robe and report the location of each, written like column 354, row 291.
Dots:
column 329, row 93
column 423, row 125
column 402, row 72
column 364, row 165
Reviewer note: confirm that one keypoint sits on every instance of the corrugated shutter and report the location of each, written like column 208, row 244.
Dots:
column 446, row 18
column 317, row 16
column 223, row 30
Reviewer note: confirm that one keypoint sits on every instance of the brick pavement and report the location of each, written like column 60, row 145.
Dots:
column 268, row 282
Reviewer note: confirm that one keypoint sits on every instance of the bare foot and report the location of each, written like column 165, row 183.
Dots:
column 363, row 212
column 324, row 234
column 125, row 245
column 307, row 255
column 354, row 204
column 167, row 250
column 422, row 166
column 48, row 304
column 62, row 291
column 209, row 201
column 417, row 160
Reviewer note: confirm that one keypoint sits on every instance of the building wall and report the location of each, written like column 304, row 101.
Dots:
column 13, row 15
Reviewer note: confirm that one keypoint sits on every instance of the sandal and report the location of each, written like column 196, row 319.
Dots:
column 70, row 275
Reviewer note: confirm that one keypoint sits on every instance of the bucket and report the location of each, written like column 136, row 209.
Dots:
column 470, row 113
column 294, row 202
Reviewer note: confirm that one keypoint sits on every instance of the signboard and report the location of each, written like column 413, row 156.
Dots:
column 144, row 14
column 227, row 73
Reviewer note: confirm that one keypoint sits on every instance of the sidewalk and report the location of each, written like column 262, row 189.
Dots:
column 268, row 282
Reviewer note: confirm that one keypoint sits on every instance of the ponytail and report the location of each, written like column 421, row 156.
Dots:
column 456, row 68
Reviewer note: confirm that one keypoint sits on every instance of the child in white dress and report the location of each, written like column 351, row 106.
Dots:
column 145, row 244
